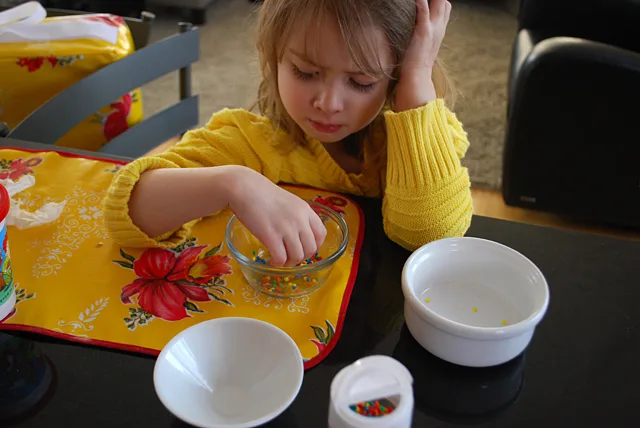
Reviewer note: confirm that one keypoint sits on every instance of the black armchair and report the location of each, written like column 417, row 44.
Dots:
column 573, row 117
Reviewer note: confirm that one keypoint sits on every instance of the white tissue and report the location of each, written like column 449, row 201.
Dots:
column 24, row 219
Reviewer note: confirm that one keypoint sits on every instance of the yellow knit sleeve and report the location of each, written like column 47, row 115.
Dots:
column 427, row 195
column 232, row 137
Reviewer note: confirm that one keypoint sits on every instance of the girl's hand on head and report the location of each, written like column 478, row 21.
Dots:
column 415, row 87
column 287, row 225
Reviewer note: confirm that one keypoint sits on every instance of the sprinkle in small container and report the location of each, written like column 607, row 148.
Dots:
column 286, row 283
column 375, row 391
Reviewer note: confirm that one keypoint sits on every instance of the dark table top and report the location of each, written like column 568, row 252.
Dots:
column 581, row 369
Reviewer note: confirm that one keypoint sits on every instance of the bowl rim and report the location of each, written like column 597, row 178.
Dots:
column 465, row 330
column 271, row 270
column 259, row 421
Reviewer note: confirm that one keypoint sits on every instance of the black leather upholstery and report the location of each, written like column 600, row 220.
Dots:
column 608, row 21
column 573, row 132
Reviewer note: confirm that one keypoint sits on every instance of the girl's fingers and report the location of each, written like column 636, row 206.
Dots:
column 277, row 251
column 422, row 12
column 447, row 12
column 308, row 241
column 318, row 229
column 437, row 10
column 295, row 252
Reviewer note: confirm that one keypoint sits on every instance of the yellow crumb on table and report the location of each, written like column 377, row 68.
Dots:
column 504, row 322
column 475, row 309
column 427, row 300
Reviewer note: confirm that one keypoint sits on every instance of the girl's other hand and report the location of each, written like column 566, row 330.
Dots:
column 284, row 223
column 415, row 87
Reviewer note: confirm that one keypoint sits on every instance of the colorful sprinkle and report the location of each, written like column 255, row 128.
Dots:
column 284, row 285
column 504, row 322
column 427, row 300
column 475, row 309
column 376, row 408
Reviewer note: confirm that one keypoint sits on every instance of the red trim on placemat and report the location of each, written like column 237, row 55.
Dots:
column 347, row 293
column 83, row 340
column 154, row 352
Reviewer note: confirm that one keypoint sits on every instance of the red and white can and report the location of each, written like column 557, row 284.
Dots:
column 7, row 288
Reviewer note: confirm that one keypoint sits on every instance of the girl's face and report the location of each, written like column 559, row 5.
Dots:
column 323, row 90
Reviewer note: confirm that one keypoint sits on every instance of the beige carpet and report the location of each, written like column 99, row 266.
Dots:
column 477, row 51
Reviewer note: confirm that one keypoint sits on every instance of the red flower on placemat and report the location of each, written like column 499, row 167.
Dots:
column 323, row 337
column 112, row 20
column 170, row 281
column 17, row 168
column 35, row 63
column 115, row 123
column 31, row 63
column 336, row 203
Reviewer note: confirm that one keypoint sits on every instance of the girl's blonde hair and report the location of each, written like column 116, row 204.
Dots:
column 279, row 20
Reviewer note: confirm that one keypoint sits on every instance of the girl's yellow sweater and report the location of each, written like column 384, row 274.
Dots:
column 426, row 192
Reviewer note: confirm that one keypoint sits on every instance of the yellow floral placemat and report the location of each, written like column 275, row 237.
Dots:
column 73, row 282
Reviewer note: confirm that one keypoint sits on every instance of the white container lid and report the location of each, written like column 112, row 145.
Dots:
column 372, row 378
column 25, row 23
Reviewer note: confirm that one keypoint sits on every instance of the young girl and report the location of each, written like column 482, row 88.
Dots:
column 351, row 100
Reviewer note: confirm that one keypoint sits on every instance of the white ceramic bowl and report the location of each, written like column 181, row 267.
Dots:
column 229, row 372
column 471, row 301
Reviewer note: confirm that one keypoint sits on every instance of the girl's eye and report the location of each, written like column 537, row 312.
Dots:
column 362, row 88
column 301, row 74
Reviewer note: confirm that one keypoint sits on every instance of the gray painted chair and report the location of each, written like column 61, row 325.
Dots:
column 68, row 108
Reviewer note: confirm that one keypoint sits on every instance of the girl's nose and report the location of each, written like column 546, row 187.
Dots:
column 329, row 100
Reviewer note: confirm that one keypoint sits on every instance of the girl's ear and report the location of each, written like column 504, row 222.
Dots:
column 393, row 82
column 391, row 93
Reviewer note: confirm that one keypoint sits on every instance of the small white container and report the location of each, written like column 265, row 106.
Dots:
column 471, row 301
column 368, row 379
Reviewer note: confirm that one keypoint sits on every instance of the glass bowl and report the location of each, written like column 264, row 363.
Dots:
column 295, row 281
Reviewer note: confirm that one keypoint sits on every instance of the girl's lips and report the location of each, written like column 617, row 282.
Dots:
column 325, row 128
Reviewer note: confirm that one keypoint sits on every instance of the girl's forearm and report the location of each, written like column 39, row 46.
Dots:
column 165, row 199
